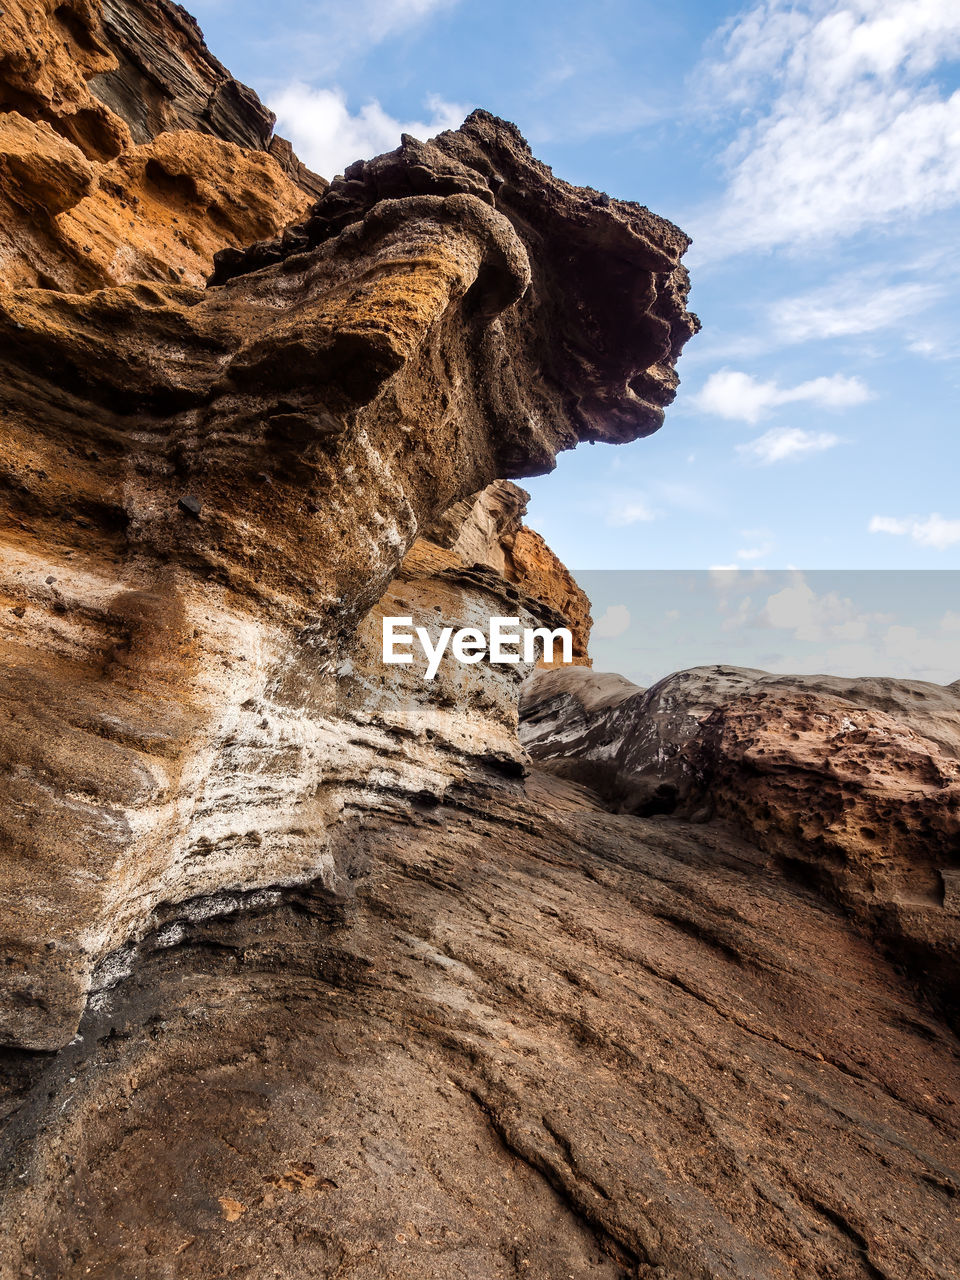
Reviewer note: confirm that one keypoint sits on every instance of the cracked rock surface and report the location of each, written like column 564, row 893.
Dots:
column 546, row 1041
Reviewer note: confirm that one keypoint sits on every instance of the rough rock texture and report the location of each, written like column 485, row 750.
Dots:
column 853, row 785
column 207, row 490
column 487, row 529
column 602, row 317
column 466, row 711
column 544, row 1041
column 127, row 152
column 303, row 974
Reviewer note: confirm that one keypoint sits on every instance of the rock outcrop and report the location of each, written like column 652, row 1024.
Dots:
column 851, row 784
column 488, row 529
column 127, row 152
column 208, row 489
column 304, row 971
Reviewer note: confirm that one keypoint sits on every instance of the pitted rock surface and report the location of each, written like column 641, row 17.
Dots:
column 850, row 784
column 127, row 151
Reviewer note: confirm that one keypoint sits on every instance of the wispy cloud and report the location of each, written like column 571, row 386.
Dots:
column 847, row 309
column 749, row 554
column 613, row 622
column 633, row 511
column 328, row 136
column 782, row 443
column 728, row 393
column 927, row 531
column 847, row 127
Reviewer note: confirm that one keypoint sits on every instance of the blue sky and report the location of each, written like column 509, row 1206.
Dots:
column 813, row 151
column 874, row 622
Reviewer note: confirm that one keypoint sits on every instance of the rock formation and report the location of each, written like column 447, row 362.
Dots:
column 487, row 529
column 850, row 785
column 304, row 971
column 127, row 152
column 208, row 490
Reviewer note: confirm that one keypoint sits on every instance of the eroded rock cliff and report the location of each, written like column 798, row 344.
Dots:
column 127, row 151
column 488, row 529
column 208, row 489
column 305, row 973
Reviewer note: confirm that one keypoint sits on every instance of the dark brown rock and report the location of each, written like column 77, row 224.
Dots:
column 379, row 378
column 615, row 337
column 545, row 1041
column 852, row 785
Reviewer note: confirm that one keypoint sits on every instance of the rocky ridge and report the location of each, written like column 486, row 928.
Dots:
column 488, row 529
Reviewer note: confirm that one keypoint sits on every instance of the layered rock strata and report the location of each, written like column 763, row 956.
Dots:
column 305, row 973
column 851, row 784
column 127, row 151
column 207, row 490
column 545, row 1041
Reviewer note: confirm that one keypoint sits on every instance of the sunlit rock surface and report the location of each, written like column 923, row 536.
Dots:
column 305, row 972
column 208, row 489
column 127, row 151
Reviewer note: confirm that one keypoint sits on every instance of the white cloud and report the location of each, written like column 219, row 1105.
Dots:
column 780, row 443
column 798, row 608
column 758, row 543
column 613, row 623
column 731, row 394
column 848, row 309
column 325, row 34
column 927, row 531
column 631, row 512
column 327, row 137
column 926, row 652
column 846, row 127
column 850, row 639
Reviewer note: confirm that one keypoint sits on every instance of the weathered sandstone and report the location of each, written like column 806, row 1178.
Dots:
column 305, row 972
column 127, row 152
column 543, row 1041
column 487, row 529
column 851, row 784
column 209, row 489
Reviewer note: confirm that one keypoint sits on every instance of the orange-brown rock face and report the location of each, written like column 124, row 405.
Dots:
column 537, row 570
column 487, row 529
column 110, row 173
column 207, row 491
column 327, row 981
